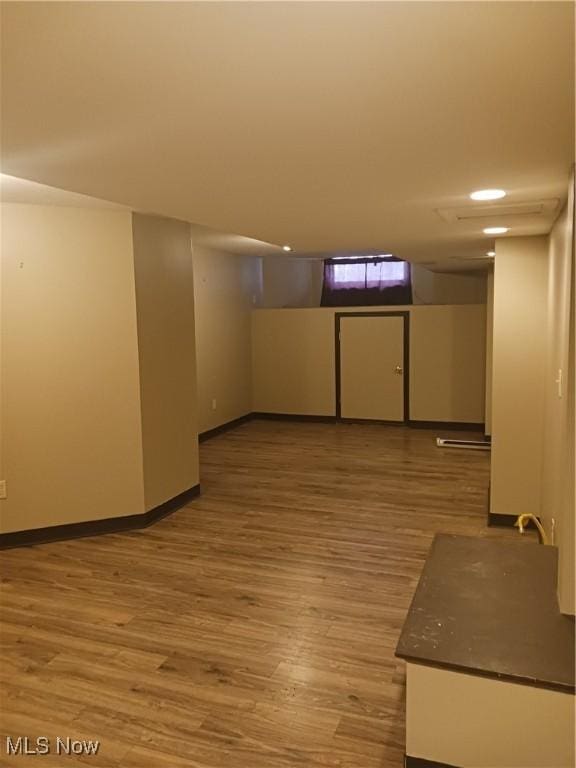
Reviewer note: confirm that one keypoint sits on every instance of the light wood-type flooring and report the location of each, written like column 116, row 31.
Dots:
column 256, row 627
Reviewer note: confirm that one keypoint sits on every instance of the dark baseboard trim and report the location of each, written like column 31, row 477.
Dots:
column 382, row 422
column 506, row 521
column 97, row 527
column 219, row 430
column 292, row 417
column 468, row 426
column 420, row 762
column 451, row 425
column 270, row 416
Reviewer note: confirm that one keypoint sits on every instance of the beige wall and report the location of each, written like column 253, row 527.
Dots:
column 477, row 722
column 558, row 502
column 443, row 288
column 447, row 371
column 226, row 288
column 165, row 316
column 519, row 361
column 291, row 282
column 294, row 362
column 489, row 343
column 71, row 403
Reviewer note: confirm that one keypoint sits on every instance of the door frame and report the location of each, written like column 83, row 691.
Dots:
column 406, row 362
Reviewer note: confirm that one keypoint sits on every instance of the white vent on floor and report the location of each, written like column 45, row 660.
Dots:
column 470, row 445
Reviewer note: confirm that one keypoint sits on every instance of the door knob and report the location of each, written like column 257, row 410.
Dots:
column 399, row 370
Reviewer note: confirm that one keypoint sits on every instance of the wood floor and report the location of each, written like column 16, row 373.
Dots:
column 254, row 628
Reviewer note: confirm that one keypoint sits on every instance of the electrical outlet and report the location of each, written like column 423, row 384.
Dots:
column 2, row 489
column 214, row 404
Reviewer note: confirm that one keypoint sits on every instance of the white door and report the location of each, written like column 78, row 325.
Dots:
column 372, row 367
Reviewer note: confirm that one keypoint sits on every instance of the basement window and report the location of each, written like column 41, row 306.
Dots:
column 359, row 281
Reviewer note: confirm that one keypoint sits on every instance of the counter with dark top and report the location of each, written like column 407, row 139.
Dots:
column 489, row 608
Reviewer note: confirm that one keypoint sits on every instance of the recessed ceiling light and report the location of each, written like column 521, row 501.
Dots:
column 490, row 253
column 286, row 248
column 496, row 230
column 488, row 194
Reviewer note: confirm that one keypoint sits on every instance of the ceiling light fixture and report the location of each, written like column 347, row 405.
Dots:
column 287, row 248
column 488, row 194
column 496, row 230
column 490, row 253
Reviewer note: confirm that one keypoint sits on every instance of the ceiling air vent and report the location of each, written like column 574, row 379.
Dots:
column 495, row 211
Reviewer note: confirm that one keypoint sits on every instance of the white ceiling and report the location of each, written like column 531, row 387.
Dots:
column 336, row 127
